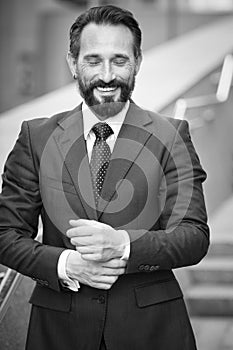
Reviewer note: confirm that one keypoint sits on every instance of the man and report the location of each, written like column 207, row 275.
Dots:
column 119, row 191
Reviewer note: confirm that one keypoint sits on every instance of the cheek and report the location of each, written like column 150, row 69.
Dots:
column 86, row 71
column 87, row 75
column 127, row 73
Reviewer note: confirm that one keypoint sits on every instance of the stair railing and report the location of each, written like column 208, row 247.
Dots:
column 9, row 282
column 223, row 90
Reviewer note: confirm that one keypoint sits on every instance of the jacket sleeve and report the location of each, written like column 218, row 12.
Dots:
column 20, row 206
column 183, row 235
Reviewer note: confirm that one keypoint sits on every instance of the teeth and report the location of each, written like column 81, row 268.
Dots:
column 106, row 88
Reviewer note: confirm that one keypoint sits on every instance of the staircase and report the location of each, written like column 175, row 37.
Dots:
column 210, row 293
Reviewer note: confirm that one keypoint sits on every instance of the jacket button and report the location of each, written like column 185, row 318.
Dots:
column 101, row 299
column 141, row 267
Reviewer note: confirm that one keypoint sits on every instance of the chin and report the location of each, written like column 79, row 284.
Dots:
column 108, row 109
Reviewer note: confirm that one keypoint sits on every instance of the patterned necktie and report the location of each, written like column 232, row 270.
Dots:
column 100, row 157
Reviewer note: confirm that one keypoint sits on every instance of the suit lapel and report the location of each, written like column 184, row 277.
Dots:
column 71, row 143
column 130, row 142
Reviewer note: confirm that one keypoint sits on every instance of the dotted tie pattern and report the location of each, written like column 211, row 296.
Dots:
column 100, row 157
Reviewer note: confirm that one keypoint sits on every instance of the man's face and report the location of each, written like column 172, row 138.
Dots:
column 106, row 68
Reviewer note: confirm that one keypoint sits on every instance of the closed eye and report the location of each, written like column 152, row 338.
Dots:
column 92, row 60
column 120, row 61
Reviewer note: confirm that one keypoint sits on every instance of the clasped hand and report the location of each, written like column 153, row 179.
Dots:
column 97, row 260
column 95, row 240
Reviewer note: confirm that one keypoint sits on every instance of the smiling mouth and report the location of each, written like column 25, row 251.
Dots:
column 106, row 89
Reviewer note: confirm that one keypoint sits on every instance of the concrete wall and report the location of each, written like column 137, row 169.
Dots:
column 28, row 38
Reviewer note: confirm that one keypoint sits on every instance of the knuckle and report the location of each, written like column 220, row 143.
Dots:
column 102, row 241
column 118, row 272
column 94, row 285
column 96, row 275
column 101, row 249
column 73, row 241
column 112, row 263
column 106, row 286
column 122, row 271
column 113, row 279
column 94, row 258
column 98, row 257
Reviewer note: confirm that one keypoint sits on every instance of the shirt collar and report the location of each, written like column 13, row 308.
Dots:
column 90, row 119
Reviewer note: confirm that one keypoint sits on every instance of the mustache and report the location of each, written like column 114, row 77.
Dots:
column 112, row 84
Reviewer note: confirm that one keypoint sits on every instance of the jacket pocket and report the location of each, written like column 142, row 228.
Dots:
column 157, row 292
column 50, row 299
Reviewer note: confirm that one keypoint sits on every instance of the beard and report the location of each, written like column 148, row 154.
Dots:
column 107, row 107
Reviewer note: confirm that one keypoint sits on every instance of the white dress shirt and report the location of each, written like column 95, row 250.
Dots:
column 89, row 120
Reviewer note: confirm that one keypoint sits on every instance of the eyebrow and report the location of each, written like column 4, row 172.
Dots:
column 122, row 56
column 86, row 57
column 90, row 56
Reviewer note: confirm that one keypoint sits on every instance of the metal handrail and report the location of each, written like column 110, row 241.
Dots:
column 221, row 95
column 14, row 283
column 10, row 282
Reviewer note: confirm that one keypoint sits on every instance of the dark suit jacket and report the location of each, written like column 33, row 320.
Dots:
column 153, row 189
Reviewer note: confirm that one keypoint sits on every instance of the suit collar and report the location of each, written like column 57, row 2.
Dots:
column 137, row 116
column 71, row 117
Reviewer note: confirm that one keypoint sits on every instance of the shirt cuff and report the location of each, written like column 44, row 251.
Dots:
column 126, row 252
column 61, row 271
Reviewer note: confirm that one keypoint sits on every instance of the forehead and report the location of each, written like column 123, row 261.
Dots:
column 101, row 38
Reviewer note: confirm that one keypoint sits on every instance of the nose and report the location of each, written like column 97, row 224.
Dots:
column 107, row 73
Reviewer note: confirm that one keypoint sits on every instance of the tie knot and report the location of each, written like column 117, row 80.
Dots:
column 102, row 131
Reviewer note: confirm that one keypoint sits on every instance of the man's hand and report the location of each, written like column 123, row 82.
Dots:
column 96, row 241
column 101, row 275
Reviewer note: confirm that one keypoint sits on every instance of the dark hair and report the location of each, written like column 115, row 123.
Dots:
column 108, row 14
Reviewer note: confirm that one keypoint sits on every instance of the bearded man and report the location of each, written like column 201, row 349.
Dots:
column 119, row 192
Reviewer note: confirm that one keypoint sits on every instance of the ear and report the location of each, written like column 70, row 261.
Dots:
column 138, row 63
column 72, row 64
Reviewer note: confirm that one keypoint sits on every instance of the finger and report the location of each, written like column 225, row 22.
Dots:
column 115, row 264
column 101, row 286
column 105, row 286
column 88, row 241
column 82, row 249
column 105, row 279
column 81, row 222
column 79, row 231
column 114, row 272
column 96, row 257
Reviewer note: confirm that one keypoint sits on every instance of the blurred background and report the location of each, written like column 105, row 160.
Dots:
column 186, row 73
